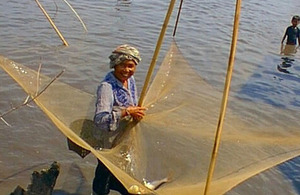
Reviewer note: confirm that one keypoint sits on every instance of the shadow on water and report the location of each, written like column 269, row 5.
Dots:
column 291, row 171
column 74, row 180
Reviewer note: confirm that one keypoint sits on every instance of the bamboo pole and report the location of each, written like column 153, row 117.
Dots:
column 52, row 23
column 27, row 101
column 155, row 55
column 177, row 19
column 225, row 97
column 70, row 6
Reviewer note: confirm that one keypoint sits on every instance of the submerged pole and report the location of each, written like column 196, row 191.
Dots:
column 155, row 55
column 177, row 19
column 225, row 97
column 52, row 23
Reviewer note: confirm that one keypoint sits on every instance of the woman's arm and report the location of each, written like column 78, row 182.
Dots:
column 107, row 116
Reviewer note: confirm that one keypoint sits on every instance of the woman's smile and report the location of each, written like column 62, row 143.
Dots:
column 125, row 70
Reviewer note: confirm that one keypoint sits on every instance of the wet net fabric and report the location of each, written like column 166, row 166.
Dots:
column 176, row 137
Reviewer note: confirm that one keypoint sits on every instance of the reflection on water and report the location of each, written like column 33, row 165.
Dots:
column 288, row 61
column 276, row 82
column 285, row 64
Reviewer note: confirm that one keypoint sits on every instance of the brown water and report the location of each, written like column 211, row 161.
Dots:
column 203, row 36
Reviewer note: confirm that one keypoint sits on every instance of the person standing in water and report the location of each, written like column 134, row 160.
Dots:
column 292, row 33
column 116, row 101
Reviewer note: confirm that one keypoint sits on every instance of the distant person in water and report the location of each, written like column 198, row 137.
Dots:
column 292, row 33
column 116, row 101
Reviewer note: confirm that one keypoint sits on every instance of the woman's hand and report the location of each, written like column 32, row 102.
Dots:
column 136, row 112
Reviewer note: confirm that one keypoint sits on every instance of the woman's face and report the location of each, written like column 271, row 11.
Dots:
column 125, row 70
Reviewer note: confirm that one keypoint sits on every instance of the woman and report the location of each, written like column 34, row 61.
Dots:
column 116, row 101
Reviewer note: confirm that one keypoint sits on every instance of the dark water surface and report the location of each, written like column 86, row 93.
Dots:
column 203, row 36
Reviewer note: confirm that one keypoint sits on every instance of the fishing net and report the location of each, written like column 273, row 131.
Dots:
column 176, row 137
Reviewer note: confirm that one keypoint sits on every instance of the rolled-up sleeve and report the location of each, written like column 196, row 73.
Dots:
column 107, row 116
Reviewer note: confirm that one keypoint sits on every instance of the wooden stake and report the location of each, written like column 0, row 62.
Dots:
column 225, row 97
column 155, row 55
column 177, row 19
column 52, row 23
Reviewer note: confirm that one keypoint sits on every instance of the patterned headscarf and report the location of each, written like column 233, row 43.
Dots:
column 122, row 53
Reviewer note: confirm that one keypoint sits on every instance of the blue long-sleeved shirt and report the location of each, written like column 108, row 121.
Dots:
column 112, row 97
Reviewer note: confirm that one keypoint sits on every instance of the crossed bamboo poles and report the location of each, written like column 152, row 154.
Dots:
column 53, row 24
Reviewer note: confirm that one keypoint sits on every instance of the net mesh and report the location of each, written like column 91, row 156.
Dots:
column 176, row 137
